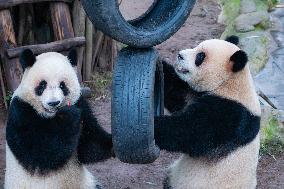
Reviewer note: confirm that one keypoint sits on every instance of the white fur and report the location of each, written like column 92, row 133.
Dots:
column 53, row 68
column 236, row 171
column 71, row 176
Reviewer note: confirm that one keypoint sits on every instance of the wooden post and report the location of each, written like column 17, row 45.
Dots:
column 61, row 21
column 62, row 24
column 79, row 17
column 3, row 87
column 89, row 50
column 12, row 68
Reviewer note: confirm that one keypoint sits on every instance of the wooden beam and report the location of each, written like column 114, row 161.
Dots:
column 57, row 46
column 12, row 68
column 10, row 3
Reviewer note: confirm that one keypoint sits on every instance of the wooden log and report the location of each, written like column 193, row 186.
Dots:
column 29, row 24
column 57, row 46
column 12, row 69
column 89, row 50
column 10, row 3
column 97, row 45
column 62, row 24
column 61, row 21
column 22, row 23
column 79, row 17
column 4, row 94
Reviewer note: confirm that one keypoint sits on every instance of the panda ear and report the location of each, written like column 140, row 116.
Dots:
column 27, row 59
column 233, row 39
column 239, row 60
column 72, row 56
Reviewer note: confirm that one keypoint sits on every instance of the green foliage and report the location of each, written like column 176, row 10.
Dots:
column 266, row 4
column 271, row 3
column 272, row 141
column 230, row 9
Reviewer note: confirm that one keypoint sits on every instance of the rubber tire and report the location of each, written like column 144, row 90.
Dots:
column 137, row 95
column 158, row 24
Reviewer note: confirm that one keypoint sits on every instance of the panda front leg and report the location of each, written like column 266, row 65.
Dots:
column 95, row 144
column 176, row 91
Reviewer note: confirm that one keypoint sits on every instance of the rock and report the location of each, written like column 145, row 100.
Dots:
column 278, row 12
column 256, row 45
column 279, row 38
column 247, row 6
column 270, row 80
column 247, row 22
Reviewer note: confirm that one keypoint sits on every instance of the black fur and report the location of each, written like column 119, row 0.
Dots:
column 72, row 56
column 40, row 88
column 233, row 39
column 42, row 143
column 210, row 127
column 64, row 88
column 240, row 60
column 176, row 90
column 200, row 57
column 27, row 59
column 95, row 144
column 47, row 144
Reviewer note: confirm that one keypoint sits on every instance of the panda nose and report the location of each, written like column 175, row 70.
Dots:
column 53, row 104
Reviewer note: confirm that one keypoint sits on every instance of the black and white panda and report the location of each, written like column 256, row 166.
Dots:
column 217, row 132
column 51, row 131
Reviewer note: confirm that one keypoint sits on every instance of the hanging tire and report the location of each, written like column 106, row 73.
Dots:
column 137, row 96
column 158, row 24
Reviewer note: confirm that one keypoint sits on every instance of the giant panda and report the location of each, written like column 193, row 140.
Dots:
column 218, row 131
column 51, row 131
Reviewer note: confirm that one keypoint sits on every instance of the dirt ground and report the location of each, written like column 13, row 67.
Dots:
column 113, row 174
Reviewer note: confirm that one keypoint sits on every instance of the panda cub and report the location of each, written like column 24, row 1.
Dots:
column 51, row 131
column 217, row 132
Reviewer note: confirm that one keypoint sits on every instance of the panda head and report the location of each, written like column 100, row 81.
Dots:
column 49, row 81
column 211, row 63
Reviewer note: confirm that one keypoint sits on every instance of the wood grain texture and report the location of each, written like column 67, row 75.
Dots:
column 57, row 46
column 12, row 68
column 10, row 3
column 61, row 21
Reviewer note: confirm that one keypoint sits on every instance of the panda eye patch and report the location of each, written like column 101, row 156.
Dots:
column 64, row 88
column 40, row 88
column 200, row 57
